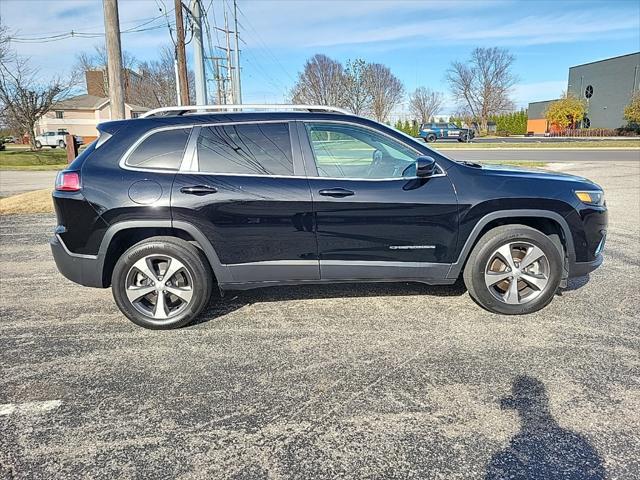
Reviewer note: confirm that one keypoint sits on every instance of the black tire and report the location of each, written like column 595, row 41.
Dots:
column 53, row 146
column 194, row 262
column 464, row 137
column 38, row 145
column 61, row 144
column 430, row 138
column 483, row 252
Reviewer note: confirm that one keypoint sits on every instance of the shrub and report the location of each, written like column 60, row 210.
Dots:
column 566, row 111
column 632, row 111
column 513, row 123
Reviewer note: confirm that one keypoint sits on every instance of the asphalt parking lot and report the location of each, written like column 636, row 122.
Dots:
column 369, row 381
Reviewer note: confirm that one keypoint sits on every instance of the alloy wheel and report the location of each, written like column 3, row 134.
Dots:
column 159, row 286
column 517, row 272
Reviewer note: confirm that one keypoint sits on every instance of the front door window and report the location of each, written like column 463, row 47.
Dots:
column 349, row 151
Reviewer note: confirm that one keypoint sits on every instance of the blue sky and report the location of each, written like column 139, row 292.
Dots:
column 416, row 39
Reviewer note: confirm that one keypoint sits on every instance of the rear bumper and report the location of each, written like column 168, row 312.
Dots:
column 83, row 269
column 578, row 269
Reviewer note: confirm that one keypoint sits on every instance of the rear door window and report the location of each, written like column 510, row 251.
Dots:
column 162, row 150
column 247, row 149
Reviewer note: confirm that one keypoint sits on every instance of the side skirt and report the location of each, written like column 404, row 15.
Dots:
column 266, row 274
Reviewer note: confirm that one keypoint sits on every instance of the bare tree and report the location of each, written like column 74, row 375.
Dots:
column 157, row 87
column 483, row 84
column 321, row 82
column 425, row 103
column 386, row 91
column 357, row 87
column 24, row 98
column 5, row 50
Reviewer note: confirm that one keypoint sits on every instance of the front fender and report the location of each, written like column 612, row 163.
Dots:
column 467, row 240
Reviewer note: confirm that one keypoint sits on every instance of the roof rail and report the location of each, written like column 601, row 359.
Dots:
column 223, row 108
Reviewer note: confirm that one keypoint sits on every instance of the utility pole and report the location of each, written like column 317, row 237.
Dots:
column 198, row 54
column 229, row 64
column 238, row 96
column 114, row 58
column 181, row 58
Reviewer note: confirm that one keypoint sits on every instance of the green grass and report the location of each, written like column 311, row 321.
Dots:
column 24, row 159
column 631, row 144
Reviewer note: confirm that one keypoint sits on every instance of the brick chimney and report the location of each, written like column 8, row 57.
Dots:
column 96, row 83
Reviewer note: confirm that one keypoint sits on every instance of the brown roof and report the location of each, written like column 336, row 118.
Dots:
column 81, row 102
column 90, row 102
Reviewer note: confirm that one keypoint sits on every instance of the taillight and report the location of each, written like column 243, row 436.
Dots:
column 68, row 182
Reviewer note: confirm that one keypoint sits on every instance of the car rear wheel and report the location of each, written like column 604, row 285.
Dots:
column 464, row 137
column 38, row 145
column 61, row 144
column 513, row 270
column 430, row 138
column 162, row 283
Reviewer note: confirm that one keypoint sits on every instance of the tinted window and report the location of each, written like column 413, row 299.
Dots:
column 348, row 151
column 161, row 150
column 258, row 149
column 441, row 125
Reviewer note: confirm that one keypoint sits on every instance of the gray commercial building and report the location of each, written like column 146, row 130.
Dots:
column 605, row 85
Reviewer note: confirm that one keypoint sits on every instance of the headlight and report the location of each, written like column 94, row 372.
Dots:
column 591, row 197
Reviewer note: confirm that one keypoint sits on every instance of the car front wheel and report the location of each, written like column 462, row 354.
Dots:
column 514, row 270
column 162, row 283
column 430, row 138
column 38, row 145
column 61, row 144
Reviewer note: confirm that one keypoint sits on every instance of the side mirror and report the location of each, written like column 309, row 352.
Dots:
column 425, row 166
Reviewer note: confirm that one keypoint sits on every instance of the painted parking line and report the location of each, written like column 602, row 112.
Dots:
column 29, row 408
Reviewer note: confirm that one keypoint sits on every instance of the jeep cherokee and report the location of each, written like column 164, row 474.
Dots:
column 164, row 207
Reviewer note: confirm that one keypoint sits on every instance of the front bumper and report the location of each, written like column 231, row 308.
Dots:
column 579, row 269
column 83, row 269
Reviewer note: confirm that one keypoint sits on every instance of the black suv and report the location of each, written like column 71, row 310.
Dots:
column 164, row 207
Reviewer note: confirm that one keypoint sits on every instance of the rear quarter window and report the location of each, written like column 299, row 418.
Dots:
column 161, row 150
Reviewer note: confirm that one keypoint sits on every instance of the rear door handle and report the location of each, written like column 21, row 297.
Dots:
column 336, row 192
column 199, row 190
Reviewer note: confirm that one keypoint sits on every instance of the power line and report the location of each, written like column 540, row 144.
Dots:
column 264, row 45
column 75, row 34
column 54, row 33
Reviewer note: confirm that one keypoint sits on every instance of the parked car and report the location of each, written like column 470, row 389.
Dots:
column 55, row 139
column 434, row 131
column 165, row 207
column 10, row 139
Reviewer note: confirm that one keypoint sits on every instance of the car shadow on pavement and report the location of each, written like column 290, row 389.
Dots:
column 575, row 283
column 542, row 450
column 234, row 300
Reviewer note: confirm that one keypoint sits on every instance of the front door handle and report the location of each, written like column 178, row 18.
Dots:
column 199, row 190
column 336, row 192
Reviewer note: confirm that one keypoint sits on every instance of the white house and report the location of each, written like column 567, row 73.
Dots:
column 81, row 114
